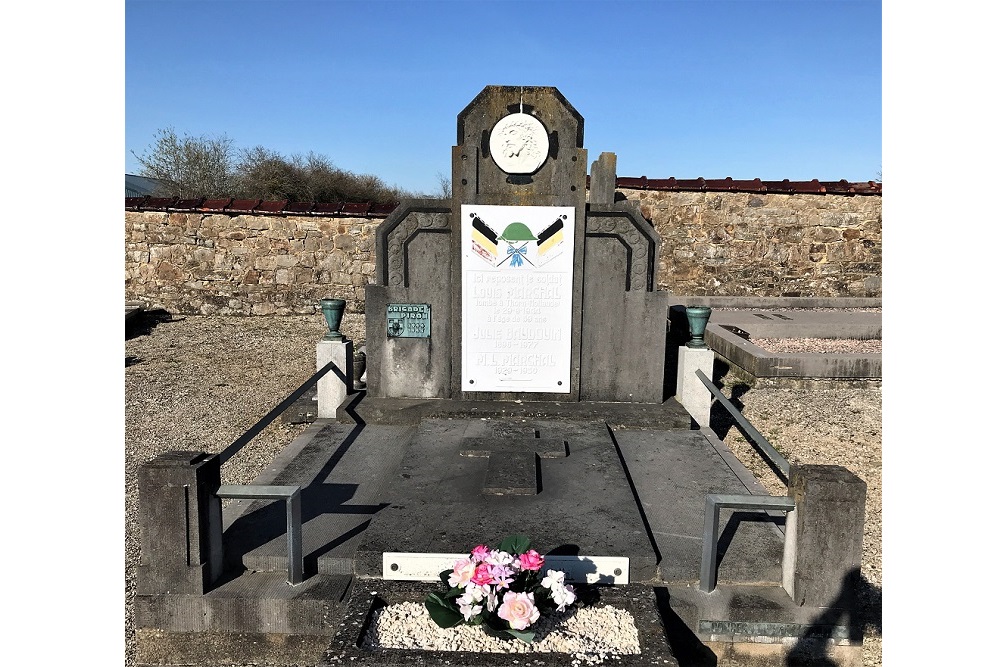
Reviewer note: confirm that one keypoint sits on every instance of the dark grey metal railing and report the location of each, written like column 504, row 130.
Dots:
column 290, row 494
column 758, row 439
column 710, row 547
column 265, row 421
column 293, row 517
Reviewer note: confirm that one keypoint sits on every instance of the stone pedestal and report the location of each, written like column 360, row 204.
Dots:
column 692, row 392
column 823, row 543
column 332, row 388
column 181, row 521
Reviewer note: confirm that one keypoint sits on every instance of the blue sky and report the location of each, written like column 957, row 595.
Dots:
column 749, row 89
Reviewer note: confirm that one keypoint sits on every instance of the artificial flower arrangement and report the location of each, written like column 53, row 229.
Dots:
column 502, row 590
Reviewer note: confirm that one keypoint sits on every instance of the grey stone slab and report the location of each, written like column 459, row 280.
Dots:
column 672, row 472
column 251, row 602
column 760, row 363
column 344, row 472
column 585, row 505
column 513, row 467
column 784, row 323
column 373, row 410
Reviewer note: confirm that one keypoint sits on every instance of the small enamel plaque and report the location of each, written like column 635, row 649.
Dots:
column 408, row 320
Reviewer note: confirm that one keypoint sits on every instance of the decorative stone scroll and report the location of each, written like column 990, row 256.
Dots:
column 639, row 244
column 398, row 238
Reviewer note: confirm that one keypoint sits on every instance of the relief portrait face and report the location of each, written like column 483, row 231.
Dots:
column 519, row 144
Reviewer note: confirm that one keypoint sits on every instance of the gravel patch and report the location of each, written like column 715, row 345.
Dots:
column 591, row 634
column 823, row 426
column 200, row 382
column 820, row 345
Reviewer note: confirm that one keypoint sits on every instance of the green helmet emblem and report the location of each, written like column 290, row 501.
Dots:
column 517, row 231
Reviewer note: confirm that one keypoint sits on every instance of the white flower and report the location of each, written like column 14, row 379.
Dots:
column 553, row 577
column 563, row 596
column 469, row 611
column 500, row 558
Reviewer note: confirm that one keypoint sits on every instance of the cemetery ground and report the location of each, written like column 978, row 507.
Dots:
column 198, row 383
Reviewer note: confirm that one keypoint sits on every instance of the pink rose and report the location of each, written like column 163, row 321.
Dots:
column 518, row 609
column 482, row 575
column 531, row 560
column 462, row 573
column 480, row 553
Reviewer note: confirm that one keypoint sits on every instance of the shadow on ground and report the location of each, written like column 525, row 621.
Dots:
column 143, row 323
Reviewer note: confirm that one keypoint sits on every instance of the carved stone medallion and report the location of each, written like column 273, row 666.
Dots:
column 519, row 143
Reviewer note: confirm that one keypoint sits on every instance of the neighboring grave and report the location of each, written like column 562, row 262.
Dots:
column 523, row 289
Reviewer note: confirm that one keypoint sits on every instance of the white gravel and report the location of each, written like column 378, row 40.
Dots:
column 201, row 382
column 591, row 634
column 820, row 345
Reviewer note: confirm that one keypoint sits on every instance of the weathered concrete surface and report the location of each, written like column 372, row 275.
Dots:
column 332, row 390
column 672, row 472
column 731, row 334
column 437, row 503
column 760, row 363
column 825, row 560
column 181, row 523
column 760, row 626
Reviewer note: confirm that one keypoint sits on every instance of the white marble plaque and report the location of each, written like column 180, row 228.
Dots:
column 402, row 566
column 517, row 298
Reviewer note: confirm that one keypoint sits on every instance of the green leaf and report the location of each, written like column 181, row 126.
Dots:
column 453, row 593
column 515, row 544
column 444, row 577
column 441, row 612
column 525, row 636
column 492, row 631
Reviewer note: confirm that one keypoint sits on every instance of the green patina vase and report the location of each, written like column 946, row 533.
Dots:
column 697, row 321
column 333, row 311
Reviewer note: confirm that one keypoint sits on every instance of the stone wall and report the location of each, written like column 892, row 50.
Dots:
column 197, row 263
column 714, row 243
column 756, row 244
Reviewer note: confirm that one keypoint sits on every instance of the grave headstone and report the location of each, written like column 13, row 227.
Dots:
column 525, row 290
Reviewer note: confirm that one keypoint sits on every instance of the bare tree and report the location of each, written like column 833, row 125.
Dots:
column 189, row 166
column 210, row 167
column 264, row 174
column 444, row 186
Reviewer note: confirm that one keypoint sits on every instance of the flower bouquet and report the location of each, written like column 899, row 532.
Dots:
column 502, row 590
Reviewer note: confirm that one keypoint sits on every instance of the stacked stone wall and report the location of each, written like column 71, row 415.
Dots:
column 197, row 263
column 714, row 243
column 766, row 245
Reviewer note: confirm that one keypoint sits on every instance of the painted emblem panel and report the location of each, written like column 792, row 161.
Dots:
column 517, row 298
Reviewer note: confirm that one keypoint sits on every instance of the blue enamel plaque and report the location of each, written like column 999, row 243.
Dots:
column 408, row 320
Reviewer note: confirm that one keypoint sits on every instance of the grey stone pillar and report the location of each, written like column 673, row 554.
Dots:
column 823, row 533
column 603, row 179
column 692, row 392
column 180, row 519
column 332, row 390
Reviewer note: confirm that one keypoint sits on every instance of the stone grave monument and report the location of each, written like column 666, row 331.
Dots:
column 517, row 292
column 517, row 360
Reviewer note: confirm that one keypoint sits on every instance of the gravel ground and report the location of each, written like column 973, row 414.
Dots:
column 825, row 425
column 200, row 382
column 820, row 345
